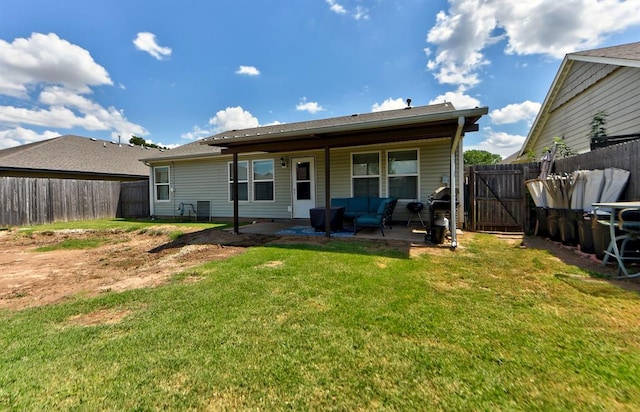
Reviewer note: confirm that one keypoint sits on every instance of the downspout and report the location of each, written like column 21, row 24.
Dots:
column 461, row 208
column 172, row 187
column 152, row 185
column 454, row 147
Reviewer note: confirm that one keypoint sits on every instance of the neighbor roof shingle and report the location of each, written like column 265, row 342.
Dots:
column 76, row 154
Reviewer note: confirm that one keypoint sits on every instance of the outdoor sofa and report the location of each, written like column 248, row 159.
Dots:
column 367, row 211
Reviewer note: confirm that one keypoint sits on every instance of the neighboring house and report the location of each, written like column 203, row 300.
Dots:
column 588, row 82
column 286, row 169
column 75, row 157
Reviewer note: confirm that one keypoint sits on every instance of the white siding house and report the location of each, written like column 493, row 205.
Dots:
column 601, row 80
column 406, row 153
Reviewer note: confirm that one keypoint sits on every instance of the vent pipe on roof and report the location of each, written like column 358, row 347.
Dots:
column 408, row 104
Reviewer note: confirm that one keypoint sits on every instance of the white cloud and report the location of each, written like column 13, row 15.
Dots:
column 45, row 58
column 458, row 98
column 361, row 13
column 20, row 135
column 358, row 13
column 336, row 7
column 66, row 109
column 500, row 143
column 516, row 112
column 63, row 73
column 311, row 107
column 196, row 134
column 389, row 104
column 548, row 27
column 248, row 70
column 146, row 41
column 232, row 118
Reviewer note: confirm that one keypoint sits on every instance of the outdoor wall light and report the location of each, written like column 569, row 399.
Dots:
column 283, row 163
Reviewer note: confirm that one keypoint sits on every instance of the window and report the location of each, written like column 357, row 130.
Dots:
column 243, row 181
column 365, row 174
column 402, row 174
column 161, row 181
column 263, row 180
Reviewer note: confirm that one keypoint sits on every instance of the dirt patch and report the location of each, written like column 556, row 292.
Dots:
column 127, row 260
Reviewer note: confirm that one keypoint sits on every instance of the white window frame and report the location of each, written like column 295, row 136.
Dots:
column 416, row 174
column 272, row 180
column 378, row 176
column 167, row 184
column 230, row 185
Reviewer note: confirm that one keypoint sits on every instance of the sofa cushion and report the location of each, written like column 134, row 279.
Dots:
column 358, row 205
column 383, row 203
column 374, row 203
column 340, row 202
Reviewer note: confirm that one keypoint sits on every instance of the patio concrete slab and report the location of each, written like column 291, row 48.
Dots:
column 414, row 234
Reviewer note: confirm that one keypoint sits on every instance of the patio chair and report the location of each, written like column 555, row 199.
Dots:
column 379, row 219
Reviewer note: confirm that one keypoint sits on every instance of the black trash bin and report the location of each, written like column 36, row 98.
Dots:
column 601, row 237
column 585, row 234
column 568, row 225
column 541, row 222
column 553, row 224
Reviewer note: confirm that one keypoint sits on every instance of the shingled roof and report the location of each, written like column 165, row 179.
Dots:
column 191, row 150
column 76, row 155
column 621, row 55
column 391, row 126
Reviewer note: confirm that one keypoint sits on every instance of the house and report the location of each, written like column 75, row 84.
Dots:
column 285, row 170
column 75, row 157
column 588, row 82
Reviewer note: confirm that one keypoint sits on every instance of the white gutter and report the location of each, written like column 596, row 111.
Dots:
column 453, row 222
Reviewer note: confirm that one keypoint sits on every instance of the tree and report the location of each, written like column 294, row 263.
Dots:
column 481, row 157
column 139, row 141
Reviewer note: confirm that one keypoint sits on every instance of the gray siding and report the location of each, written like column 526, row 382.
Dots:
column 617, row 93
column 206, row 179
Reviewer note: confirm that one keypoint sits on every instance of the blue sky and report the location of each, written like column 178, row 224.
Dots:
column 173, row 72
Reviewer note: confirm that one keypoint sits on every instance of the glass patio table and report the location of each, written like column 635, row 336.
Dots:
column 629, row 231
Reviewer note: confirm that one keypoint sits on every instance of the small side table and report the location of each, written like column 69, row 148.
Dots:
column 317, row 217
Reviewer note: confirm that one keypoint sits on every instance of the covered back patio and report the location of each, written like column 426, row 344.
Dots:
column 410, row 124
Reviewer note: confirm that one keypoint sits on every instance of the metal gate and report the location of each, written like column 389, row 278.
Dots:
column 498, row 198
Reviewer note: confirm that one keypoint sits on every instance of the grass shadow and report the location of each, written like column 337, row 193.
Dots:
column 383, row 247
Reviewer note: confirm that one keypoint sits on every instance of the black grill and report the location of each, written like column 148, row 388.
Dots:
column 415, row 207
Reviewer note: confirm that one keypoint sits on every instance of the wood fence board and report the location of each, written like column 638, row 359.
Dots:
column 27, row 201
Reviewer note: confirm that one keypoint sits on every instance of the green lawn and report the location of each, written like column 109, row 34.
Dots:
column 127, row 225
column 343, row 326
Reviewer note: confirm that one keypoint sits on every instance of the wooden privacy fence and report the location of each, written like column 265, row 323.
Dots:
column 26, row 201
column 134, row 199
column 496, row 197
column 623, row 156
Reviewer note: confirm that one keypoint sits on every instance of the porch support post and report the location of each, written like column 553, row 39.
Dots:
column 457, row 140
column 236, row 220
column 462, row 207
column 327, row 192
